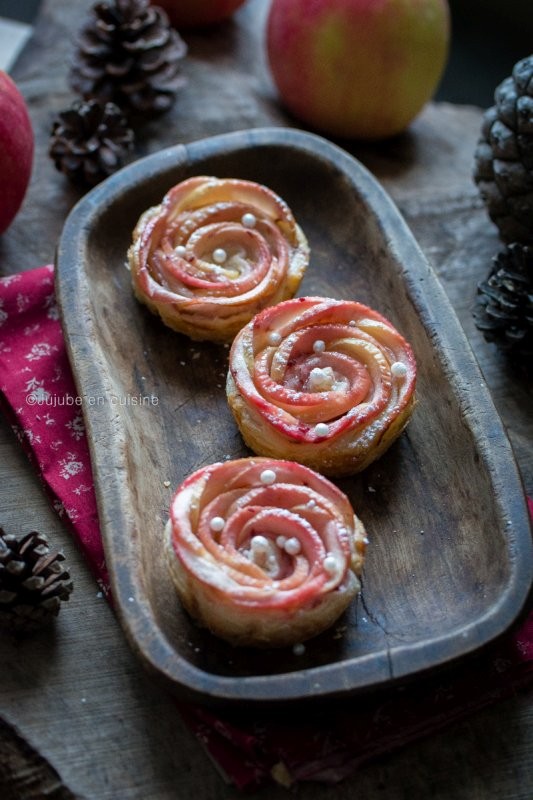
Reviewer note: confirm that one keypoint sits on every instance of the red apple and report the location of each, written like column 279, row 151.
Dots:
column 16, row 150
column 357, row 68
column 195, row 13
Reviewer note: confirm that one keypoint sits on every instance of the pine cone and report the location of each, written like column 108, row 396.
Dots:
column 90, row 141
column 504, row 156
column 504, row 310
column 32, row 582
column 128, row 54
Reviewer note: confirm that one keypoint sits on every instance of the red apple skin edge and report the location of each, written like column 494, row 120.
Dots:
column 16, row 150
column 357, row 68
column 185, row 14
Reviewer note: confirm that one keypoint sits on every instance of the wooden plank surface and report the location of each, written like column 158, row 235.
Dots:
column 88, row 718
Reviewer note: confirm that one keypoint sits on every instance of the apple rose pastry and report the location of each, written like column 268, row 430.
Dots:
column 327, row 383
column 214, row 253
column 262, row 552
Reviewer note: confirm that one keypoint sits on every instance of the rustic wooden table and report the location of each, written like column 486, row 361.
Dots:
column 78, row 717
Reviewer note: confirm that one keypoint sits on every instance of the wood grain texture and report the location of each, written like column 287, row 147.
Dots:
column 126, row 741
column 449, row 565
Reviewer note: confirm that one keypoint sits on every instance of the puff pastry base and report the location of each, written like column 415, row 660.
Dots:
column 264, row 553
column 327, row 383
column 214, row 253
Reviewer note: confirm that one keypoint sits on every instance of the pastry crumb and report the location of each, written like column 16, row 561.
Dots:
column 339, row 632
column 281, row 774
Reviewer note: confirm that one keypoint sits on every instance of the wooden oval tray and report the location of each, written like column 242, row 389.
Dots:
column 450, row 559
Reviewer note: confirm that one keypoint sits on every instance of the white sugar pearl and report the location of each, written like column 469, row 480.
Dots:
column 274, row 338
column 249, row 220
column 319, row 346
column 259, row 544
column 180, row 250
column 268, row 476
column 321, row 429
column 321, row 380
column 219, row 255
column 330, row 564
column 311, row 503
column 398, row 370
column 216, row 524
column 292, row 546
column 280, row 541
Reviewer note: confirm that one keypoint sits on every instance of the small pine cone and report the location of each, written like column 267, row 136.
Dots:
column 90, row 141
column 504, row 309
column 504, row 156
column 130, row 55
column 32, row 582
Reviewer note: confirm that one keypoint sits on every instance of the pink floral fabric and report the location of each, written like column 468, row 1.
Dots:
column 39, row 398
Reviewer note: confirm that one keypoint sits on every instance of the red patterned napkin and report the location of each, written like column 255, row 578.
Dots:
column 38, row 396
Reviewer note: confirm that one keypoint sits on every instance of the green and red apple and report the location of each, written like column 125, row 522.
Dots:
column 197, row 13
column 16, row 150
column 357, row 68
